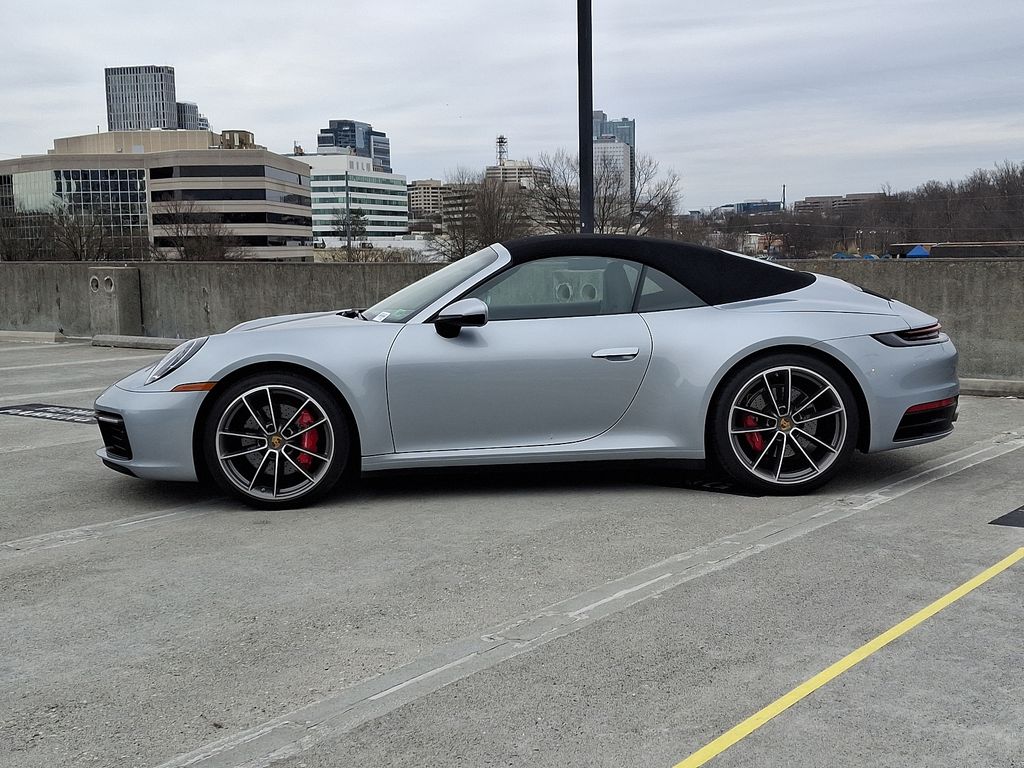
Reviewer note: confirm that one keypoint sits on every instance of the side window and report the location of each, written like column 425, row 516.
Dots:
column 568, row 286
column 660, row 292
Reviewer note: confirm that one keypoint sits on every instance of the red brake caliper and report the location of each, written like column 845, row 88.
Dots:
column 754, row 439
column 309, row 441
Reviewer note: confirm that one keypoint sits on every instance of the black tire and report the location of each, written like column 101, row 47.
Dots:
column 293, row 453
column 783, row 424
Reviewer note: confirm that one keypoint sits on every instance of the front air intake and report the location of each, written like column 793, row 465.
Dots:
column 115, row 436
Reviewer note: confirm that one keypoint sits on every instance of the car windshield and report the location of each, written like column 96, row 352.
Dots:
column 400, row 306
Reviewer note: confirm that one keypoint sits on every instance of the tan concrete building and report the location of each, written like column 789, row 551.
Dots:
column 157, row 189
column 519, row 172
column 426, row 198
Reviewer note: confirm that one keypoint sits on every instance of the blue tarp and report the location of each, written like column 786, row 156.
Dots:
column 917, row 252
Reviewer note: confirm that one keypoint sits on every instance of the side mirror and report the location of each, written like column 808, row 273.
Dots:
column 464, row 313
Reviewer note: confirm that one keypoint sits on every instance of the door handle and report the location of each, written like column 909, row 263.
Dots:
column 617, row 353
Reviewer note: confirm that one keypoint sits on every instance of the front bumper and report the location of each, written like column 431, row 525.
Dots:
column 158, row 427
column 894, row 379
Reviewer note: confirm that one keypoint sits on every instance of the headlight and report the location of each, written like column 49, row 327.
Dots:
column 175, row 358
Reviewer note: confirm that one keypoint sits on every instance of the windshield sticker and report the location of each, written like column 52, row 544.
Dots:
column 380, row 318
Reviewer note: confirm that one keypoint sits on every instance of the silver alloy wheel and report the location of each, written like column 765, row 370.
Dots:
column 787, row 425
column 275, row 442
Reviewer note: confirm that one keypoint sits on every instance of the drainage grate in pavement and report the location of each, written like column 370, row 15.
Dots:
column 1013, row 519
column 51, row 412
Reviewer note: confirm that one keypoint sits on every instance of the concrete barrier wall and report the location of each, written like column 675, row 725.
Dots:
column 980, row 302
column 186, row 300
column 45, row 296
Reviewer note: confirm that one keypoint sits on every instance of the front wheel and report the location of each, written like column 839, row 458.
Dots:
column 276, row 440
column 784, row 424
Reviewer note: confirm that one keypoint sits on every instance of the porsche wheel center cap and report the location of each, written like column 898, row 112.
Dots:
column 785, row 424
column 276, row 441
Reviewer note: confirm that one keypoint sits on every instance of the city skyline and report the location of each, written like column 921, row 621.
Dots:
column 825, row 99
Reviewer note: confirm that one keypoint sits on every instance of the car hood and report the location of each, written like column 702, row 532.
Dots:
column 303, row 320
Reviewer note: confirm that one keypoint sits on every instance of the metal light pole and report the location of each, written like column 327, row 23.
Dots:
column 586, row 89
column 348, row 217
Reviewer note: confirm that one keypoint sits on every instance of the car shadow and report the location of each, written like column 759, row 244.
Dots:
column 559, row 476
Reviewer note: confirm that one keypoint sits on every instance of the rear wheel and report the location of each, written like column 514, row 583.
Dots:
column 276, row 440
column 784, row 424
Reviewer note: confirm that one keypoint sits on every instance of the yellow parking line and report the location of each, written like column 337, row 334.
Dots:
column 755, row 721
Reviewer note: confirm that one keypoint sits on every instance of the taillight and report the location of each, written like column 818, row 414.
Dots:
column 929, row 334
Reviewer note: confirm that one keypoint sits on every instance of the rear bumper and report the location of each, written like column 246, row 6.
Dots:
column 158, row 427
column 894, row 380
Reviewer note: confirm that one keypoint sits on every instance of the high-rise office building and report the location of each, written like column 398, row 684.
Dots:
column 189, row 118
column 613, row 165
column 624, row 130
column 139, row 98
column 360, row 138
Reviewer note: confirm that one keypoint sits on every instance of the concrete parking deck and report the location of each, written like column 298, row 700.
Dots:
column 527, row 617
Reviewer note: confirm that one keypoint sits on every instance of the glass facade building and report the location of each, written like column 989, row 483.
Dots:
column 360, row 138
column 139, row 98
column 347, row 182
column 623, row 130
column 189, row 118
column 115, row 198
column 140, row 200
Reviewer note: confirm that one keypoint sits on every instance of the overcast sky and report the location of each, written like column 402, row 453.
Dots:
column 738, row 97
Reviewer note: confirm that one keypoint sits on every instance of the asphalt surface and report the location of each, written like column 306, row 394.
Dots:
column 611, row 616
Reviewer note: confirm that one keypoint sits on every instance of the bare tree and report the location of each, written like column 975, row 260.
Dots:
column 499, row 209
column 14, row 245
column 642, row 210
column 81, row 235
column 367, row 255
column 554, row 201
column 193, row 233
column 654, row 199
column 350, row 225
column 458, row 219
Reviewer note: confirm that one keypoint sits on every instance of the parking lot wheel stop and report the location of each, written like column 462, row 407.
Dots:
column 780, row 705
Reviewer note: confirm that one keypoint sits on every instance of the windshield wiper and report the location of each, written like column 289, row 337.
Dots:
column 353, row 313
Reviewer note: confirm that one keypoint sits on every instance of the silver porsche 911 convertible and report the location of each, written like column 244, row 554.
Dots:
column 558, row 348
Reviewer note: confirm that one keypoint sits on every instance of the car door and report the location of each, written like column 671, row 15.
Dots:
column 559, row 360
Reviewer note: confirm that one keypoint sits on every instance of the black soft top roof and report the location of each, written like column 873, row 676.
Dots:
column 715, row 276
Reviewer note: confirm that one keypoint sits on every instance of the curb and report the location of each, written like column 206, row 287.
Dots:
column 135, row 342
column 992, row 387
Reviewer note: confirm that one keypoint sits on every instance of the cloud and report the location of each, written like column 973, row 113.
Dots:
column 739, row 98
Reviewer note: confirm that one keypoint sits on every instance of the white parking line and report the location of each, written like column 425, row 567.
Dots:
column 329, row 717
column 93, row 438
column 19, row 547
column 30, row 397
column 17, row 346
column 78, row 362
